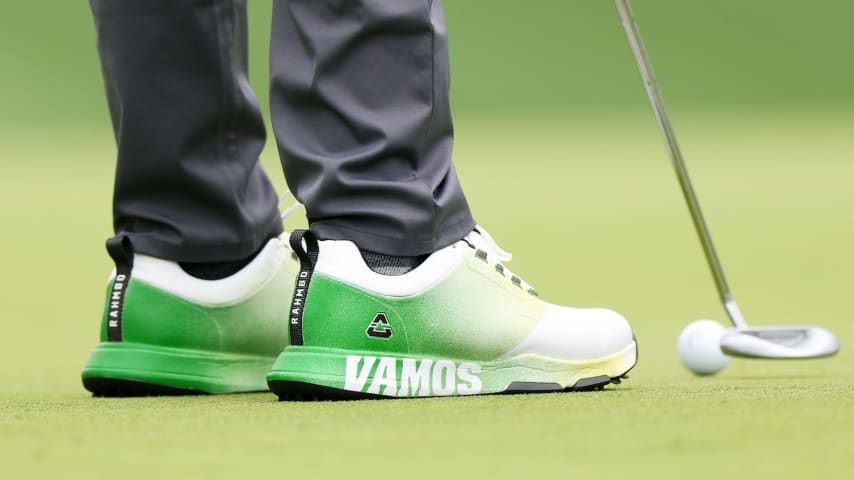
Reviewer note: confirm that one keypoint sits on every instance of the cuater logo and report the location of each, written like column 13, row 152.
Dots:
column 379, row 327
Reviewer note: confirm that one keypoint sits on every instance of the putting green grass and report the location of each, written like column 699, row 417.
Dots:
column 592, row 211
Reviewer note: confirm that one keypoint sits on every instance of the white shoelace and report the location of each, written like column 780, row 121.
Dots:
column 286, row 213
column 483, row 241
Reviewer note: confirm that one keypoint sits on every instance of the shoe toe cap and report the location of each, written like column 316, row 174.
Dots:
column 577, row 334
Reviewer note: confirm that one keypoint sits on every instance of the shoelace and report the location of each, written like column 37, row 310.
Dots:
column 482, row 241
column 286, row 213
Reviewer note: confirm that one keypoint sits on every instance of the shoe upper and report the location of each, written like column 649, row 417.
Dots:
column 461, row 302
column 243, row 313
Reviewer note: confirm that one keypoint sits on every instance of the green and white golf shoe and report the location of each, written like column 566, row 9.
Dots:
column 167, row 332
column 459, row 324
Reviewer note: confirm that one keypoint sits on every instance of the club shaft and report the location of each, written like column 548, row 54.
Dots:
column 657, row 101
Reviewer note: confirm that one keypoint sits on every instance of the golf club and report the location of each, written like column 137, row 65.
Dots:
column 742, row 340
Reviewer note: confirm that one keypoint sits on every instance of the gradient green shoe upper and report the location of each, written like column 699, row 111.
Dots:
column 166, row 332
column 459, row 324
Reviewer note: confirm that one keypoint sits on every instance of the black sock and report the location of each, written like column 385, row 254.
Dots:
column 389, row 264
column 217, row 270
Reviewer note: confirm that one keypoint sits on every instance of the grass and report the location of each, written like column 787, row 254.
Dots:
column 593, row 213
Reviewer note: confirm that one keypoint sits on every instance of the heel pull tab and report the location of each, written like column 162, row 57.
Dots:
column 307, row 260
column 121, row 251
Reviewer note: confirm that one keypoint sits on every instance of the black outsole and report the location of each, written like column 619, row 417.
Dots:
column 119, row 387
column 309, row 392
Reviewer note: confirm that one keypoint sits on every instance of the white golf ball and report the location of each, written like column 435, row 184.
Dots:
column 700, row 347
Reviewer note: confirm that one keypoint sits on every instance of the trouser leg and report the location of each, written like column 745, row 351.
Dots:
column 188, row 183
column 360, row 107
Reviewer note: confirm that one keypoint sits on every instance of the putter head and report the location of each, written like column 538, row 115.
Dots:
column 779, row 342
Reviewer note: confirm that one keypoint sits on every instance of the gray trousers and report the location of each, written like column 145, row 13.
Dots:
column 360, row 110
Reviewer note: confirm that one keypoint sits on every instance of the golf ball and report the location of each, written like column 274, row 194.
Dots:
column 700, row 347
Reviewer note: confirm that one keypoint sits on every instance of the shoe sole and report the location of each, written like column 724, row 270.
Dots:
column 313, row 373
column 125, row 369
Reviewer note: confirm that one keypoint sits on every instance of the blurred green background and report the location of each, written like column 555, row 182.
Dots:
column 548, row 56
column 562, row 161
